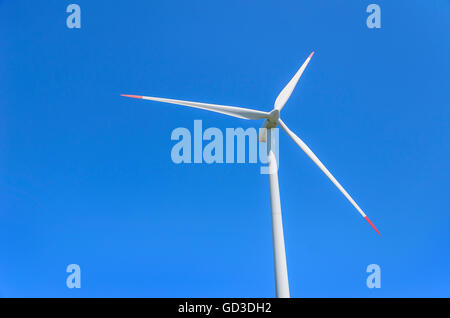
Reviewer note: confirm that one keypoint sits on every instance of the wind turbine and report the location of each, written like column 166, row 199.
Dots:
column 272, row 119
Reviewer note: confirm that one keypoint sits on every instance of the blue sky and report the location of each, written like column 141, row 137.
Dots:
column 86, row 176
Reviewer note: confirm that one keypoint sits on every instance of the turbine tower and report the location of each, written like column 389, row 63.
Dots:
column 272, row 120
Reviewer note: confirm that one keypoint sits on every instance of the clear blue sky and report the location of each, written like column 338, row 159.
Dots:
column 86, row 175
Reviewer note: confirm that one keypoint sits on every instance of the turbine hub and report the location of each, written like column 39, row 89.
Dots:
column 274, row 115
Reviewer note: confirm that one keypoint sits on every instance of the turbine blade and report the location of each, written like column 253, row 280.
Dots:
column 316, row 160
column 238, row 112
column 287, row 91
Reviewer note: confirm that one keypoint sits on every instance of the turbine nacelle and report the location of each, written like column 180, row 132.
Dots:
column 274, row 115
column 269, row 123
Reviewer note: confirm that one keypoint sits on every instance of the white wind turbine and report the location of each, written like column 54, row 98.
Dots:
column 272, row 119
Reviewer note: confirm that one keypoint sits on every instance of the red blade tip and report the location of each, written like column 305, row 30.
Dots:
column 132, row 96
column 310, row 56
column 370, row 222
